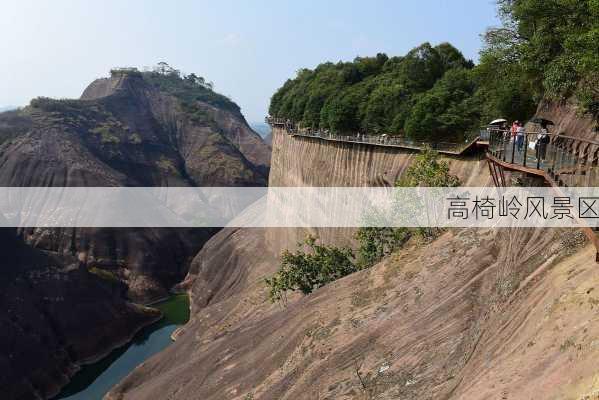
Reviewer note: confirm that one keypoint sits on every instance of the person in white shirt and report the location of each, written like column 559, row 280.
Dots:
column 520, row 136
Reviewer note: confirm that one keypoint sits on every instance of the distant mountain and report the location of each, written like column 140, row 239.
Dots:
column 7, row 108
column 131, row 129
column 263, row 130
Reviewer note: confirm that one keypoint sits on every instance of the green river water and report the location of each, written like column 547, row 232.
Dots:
column 93, row 381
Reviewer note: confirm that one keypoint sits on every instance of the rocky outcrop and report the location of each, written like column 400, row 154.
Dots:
column 568, row 119
column 476, row 314
column 302, row 161
column 56, row 314
column 230, row 310
column 127, row 131
column 66, row 294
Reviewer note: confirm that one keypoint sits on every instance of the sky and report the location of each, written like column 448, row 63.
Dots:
column 247, row 48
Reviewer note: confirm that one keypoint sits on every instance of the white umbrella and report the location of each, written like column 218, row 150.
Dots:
column 498, row 121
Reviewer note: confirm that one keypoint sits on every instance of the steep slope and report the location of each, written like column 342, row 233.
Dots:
column 128, row 130
column 467, row 316
column 66, row 293
column 50, row 306
column 476, row 314
column 226, row 278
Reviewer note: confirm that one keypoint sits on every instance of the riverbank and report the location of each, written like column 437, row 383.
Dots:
column 95, row 379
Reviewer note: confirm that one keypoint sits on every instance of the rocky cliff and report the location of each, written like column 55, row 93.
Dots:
column 131, row 129
column 56, row 314
column 475, row 314
column 66, row 293
column 568, row 119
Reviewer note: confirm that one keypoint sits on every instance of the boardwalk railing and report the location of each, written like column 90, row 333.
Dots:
column 377, row 140
column 567, row 160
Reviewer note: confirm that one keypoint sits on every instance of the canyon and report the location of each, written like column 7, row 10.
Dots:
column 70, row 296
column 472, row 314
column 477, row 314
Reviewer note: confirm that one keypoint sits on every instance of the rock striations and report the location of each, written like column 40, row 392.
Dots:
column 476, row 314
column 66, row 295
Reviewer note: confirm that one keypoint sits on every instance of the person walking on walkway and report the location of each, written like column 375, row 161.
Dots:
column 542, row 141
column 514, row 129
column 520, row 136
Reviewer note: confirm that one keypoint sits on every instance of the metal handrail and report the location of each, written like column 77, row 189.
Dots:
column 551, row 135
column 383, row 139
column 567, row 160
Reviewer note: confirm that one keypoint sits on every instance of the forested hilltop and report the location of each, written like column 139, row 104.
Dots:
column 544, row 49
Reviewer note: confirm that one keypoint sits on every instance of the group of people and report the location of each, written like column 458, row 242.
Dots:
column 517, row 131
column 518, row 134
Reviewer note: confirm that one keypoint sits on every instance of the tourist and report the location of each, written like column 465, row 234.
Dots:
column 514, row 129
column 542, row 141
column 520, row 136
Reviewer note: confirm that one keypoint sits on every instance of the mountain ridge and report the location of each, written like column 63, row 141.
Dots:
column 126, row 130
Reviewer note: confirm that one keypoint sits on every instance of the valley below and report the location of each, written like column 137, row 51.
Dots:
column 473, row 314
column 205, row 310
column 70, row 296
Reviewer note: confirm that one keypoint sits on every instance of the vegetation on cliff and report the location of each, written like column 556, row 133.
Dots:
column 544, row 49
column 312, row 266
column 187, row 88
column 376, row 242
column 381, row 94
column 316, row 265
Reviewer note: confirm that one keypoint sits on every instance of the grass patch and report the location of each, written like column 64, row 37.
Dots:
column 175, row 309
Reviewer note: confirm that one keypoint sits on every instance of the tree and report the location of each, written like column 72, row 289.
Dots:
column 428, row 171
column 447, row 111
column 369, row 94
column 163, row 68
column 309, row 268
column 195, row 80
column 376, row 243
column 552, row 44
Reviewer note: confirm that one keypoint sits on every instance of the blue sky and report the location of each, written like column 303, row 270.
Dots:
column 247, row 48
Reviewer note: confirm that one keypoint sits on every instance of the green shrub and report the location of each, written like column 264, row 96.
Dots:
column 376, row 243
column 135, row 138
column 310, row 268
column 425, row 171
column 188, row 89
column 107, row 133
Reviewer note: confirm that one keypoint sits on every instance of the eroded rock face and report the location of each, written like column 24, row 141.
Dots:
column 476, row 314
column 55, row 314
column 65, row 294
column 127, row 131
column 228, row 294
column 568, row 120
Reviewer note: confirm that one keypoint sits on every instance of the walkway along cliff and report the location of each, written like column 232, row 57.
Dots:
column 475, row 314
